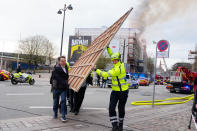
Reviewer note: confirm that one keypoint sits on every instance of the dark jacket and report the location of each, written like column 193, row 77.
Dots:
column 59, row 79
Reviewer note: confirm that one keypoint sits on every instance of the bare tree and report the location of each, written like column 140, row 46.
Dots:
column 49, row 53
column 103, row 61
column 34, row 48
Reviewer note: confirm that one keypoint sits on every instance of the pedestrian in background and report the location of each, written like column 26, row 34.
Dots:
column 60, row 87
column 104, row 82
column 98, row 80
column 18, row 68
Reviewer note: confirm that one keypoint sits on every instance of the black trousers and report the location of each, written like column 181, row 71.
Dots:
column 98, row 82
column 119, row 97
column 71, row 98
column 76, row 99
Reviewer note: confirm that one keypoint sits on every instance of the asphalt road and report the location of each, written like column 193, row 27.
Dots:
column 23, row 100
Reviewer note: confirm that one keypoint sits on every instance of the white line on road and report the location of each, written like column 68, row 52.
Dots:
column 89, row 93
column 40, row 107
column 24, row 94
column 93, row 108
column 50, row 107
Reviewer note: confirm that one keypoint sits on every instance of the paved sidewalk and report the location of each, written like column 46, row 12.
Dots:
column 46, row 123
column 139, row 118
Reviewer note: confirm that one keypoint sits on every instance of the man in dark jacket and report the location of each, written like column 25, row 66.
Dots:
column 60, row 86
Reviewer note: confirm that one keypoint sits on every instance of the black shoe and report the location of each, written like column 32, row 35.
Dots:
column 120, row 127
column 76, row 112
column 72, row 110
column 115, row 128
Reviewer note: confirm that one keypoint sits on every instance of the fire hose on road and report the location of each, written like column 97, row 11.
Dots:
column 162, row 102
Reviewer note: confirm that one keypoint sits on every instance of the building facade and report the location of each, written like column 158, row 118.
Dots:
column 125, row 42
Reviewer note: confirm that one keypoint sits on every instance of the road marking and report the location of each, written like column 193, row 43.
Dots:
column 24, row 94
column 93, row 108
column 89, row 93
column 50, row 107
column 40, row 107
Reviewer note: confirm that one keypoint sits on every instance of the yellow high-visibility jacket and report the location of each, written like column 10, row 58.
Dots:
column 118, row 75
column 68, row 66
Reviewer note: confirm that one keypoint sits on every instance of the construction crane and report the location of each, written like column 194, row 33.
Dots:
column 166, row 66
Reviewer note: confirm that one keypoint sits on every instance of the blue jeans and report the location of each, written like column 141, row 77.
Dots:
column 56, row 95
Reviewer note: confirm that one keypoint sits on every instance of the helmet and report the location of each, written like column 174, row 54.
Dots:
column 115, row 56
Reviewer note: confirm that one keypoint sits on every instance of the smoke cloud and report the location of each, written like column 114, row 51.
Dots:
column 153, row 11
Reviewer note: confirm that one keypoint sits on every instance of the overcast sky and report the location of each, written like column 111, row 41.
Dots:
column 24, row 18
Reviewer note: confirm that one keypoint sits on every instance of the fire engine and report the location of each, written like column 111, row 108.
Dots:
column 181, row 80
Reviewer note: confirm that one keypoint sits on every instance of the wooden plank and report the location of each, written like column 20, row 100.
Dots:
column 82, row 67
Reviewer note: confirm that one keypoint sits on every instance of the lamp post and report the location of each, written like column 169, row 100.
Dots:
column 155, row 70
column 69, row 7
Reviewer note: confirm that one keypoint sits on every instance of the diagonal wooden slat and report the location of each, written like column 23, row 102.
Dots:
column 82, row 67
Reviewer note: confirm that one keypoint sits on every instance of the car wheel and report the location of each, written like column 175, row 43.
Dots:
column 172, row 91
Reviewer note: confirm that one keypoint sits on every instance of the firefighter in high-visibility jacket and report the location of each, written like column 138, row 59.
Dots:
column 119, row 92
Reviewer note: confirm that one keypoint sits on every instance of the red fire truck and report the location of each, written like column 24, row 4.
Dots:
column 181, row 80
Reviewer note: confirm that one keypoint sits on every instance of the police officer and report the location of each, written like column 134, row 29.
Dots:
column 119, row 92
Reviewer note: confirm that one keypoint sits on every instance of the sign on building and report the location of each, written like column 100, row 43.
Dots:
column 77, row 45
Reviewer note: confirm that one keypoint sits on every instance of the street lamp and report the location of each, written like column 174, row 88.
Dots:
column 69, row 7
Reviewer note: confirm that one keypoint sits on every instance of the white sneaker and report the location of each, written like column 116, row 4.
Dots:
column 63, row 119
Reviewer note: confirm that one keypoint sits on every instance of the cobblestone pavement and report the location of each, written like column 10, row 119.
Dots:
column 139, row 118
